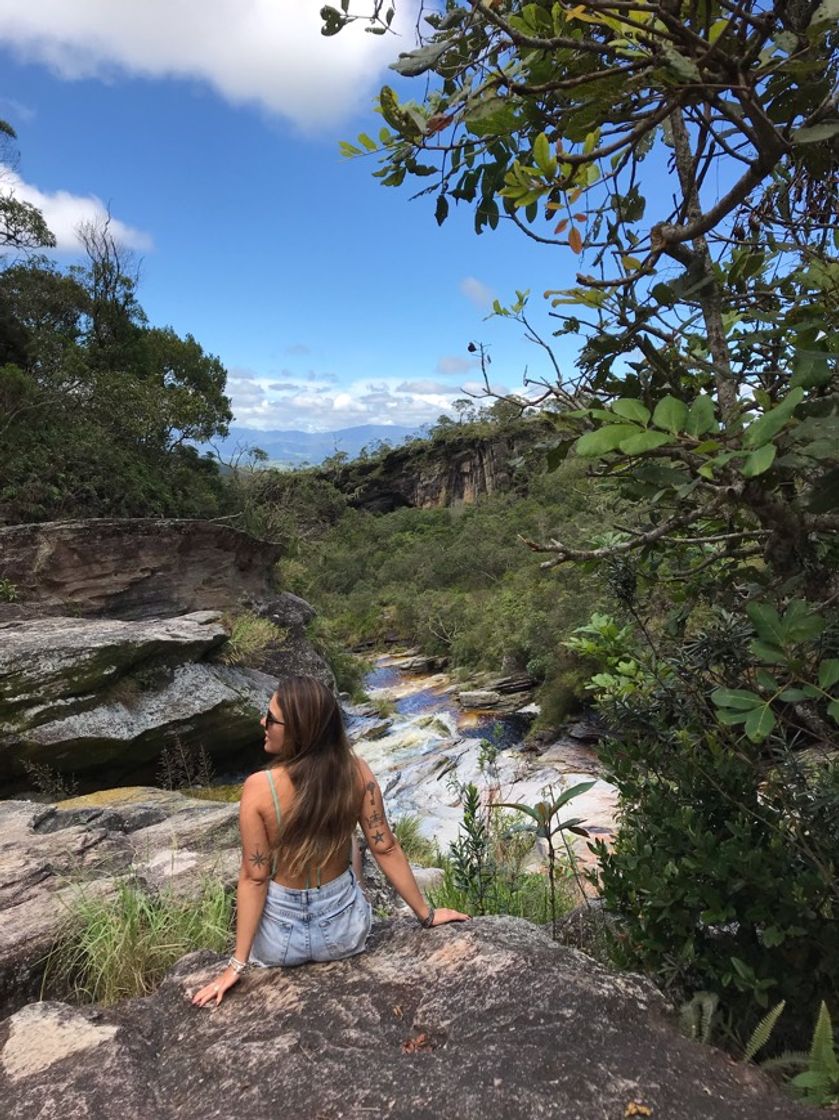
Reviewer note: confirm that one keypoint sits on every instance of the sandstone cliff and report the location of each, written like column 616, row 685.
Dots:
column 462, row 468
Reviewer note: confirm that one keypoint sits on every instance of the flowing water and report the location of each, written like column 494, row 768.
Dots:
column 428, row 745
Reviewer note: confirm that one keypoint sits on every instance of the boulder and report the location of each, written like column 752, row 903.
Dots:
column 479, row 698
column 51, row 855
column 102, row 699
column 46, row 662
column 294, row 654
column 480, row 1021
column 132, row 568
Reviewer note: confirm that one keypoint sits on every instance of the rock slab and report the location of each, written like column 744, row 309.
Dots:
column 490, row 1021
column 131, row 568
column 51, row 856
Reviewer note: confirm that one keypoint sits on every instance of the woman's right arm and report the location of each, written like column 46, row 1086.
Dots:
column 388, row 854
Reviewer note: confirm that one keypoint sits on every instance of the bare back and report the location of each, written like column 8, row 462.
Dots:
column 264, row 804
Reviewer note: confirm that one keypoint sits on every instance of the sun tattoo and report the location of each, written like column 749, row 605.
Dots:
column 258, row 859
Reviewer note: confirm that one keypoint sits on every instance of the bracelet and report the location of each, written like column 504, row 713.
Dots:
column 238, row 966
column 428, row 921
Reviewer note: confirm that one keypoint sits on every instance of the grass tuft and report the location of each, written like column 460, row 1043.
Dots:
column 249, row 637
column 419, row 850
column 121, row 947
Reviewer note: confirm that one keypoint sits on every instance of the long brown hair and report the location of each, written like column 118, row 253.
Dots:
column 322, row 767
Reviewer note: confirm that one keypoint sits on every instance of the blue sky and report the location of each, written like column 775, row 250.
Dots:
column 212, row 132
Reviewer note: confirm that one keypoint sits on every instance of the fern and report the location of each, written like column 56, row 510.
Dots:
column 819, row 1083
column 763, row 1031
column 697, row 1015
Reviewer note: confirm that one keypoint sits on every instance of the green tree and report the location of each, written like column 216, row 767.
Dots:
column 22, row 225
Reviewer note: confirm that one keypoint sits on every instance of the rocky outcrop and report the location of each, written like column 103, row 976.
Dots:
column 459, row 469
column 103, row 699
column 488, row 1021
column 52, row 856
column 294, row 655
column 132, row 568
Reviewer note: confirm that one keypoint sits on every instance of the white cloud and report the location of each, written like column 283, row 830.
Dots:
column 264, row 52
column 477, row 292
column 64, row 211
column 262, row 404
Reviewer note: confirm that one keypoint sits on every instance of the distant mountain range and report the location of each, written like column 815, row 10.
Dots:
column 294, row 448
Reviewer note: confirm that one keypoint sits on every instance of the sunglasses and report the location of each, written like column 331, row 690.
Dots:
column 271, row 720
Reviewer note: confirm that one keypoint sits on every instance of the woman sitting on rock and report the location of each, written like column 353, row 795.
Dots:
column 299, row 897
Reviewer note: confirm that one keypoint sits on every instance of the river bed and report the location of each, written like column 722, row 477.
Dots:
column 429, row 746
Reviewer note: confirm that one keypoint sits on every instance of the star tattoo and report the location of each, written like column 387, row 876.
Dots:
column 379, row 837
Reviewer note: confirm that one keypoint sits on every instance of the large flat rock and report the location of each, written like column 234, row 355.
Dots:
column 102, row 699
column 132, row 568
column 490, row 1021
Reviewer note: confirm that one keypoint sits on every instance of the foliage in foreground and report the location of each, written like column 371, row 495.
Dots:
column 724, row 870
column 419, row 850
column 120, row 947
column 484, row 869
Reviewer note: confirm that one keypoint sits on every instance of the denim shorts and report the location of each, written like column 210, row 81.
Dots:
column 320, row 924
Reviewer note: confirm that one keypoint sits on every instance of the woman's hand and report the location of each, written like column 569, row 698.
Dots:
column 216, row 988
column 443, row 915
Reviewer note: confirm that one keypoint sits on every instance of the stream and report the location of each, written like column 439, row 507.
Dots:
column 429, row 745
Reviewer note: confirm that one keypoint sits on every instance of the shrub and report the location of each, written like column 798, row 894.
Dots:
column 121, row 947
column 723, row 872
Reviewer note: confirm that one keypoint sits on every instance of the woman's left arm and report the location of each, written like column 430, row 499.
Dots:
column 254, row 875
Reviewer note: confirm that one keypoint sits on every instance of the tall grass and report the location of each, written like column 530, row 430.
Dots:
column 120, row 947
column 420, row 851
column 250, row 635
column 524, row 895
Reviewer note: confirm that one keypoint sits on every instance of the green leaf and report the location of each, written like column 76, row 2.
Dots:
column 738, row 698
column 792, row 695
column 543, row 156
column 519, row 809
column 801, row 623
column 663, row 293
column 829, row 672
column 759, row 461
column 767, row 622
column 367, row 141
column 816, row 133
column 569, row 794
column 767, row 652
column 670, row 414
column 631, row 409
column 643, row 441
column 759, row 723
column 701, row 416
column 827, row 12
column 441, row 211
column 768, row 425
column 606, row 439
column 833, row 710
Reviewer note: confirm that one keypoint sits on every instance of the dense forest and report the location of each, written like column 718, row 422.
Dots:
column 99, row 410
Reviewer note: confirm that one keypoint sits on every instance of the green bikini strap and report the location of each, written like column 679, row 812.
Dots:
column 275, row 798
column 278, row 814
